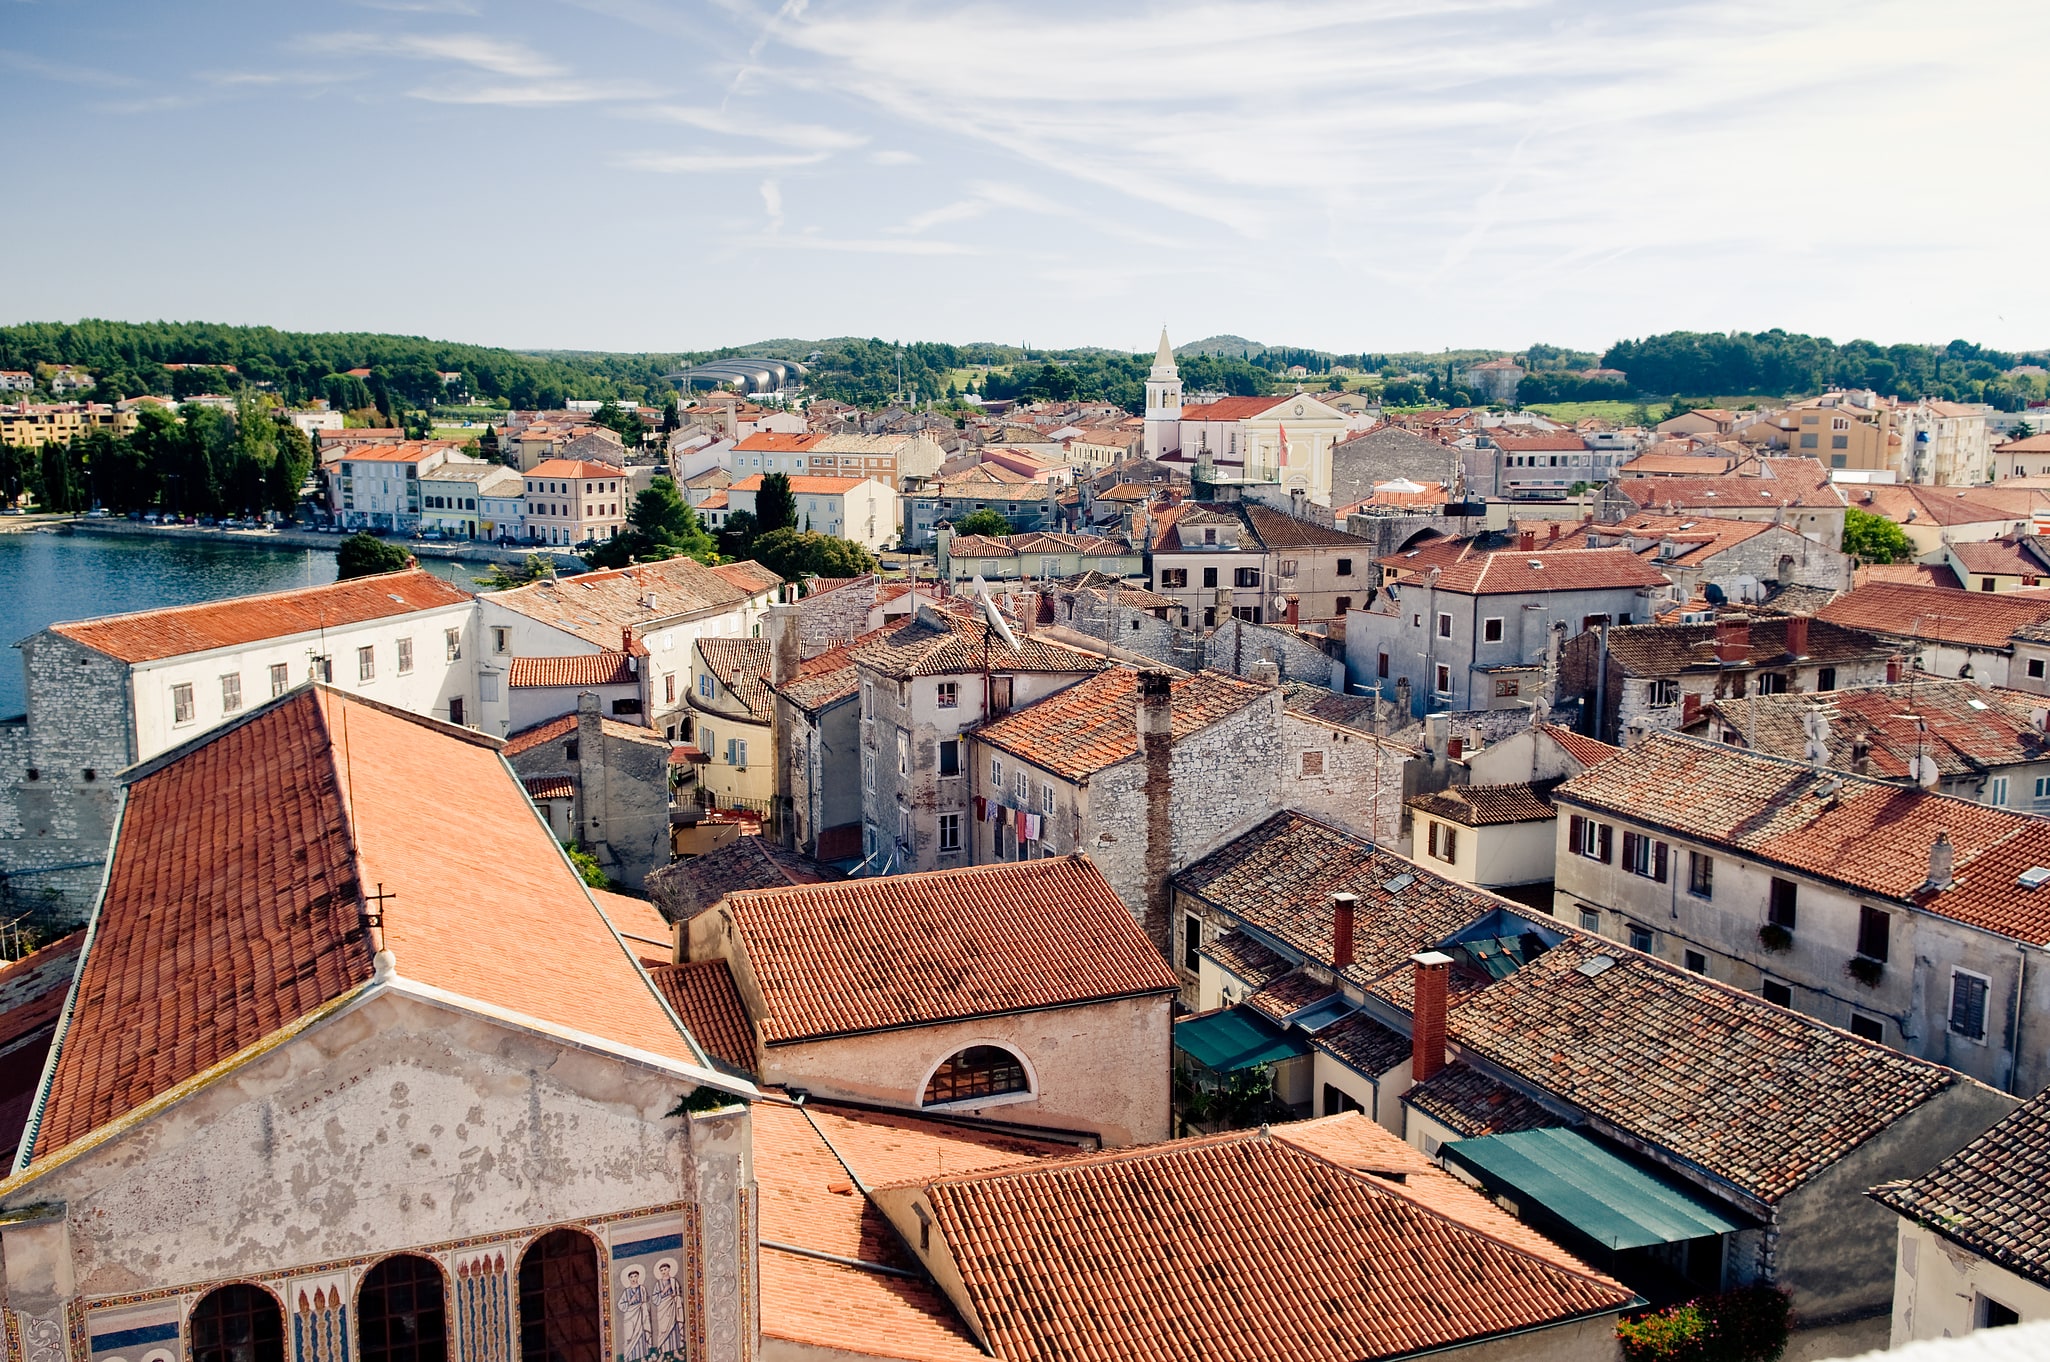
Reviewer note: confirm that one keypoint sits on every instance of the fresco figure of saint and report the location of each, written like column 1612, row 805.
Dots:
column 633, row 1317
column 666, row 1308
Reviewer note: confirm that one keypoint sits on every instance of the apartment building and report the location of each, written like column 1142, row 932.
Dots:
column 569, row 502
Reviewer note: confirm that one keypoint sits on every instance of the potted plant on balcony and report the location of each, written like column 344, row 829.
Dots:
column 1865, row 970
column 1774, row 937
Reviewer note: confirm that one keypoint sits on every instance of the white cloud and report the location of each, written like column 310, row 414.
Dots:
column 697, row 163
column 538, row 94
column 890, row 246
column 478, row 50
column 812, row 136
column 772, row 203
column 892, row 158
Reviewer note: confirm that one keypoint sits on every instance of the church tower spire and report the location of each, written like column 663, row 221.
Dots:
column 1163, row 402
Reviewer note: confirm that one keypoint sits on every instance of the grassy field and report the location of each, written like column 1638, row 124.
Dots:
column 1620, row 413
column 461, row 434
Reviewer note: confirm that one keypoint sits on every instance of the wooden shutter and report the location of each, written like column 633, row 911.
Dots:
column 1603, row 836
column 1576, row 833
column 1658, row 861
column 1629, row 852
column 1451, row 844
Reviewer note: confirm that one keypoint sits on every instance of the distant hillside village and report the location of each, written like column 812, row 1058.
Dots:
column 1283, row 873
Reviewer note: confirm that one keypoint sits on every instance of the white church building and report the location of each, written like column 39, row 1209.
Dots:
column 1283, row 440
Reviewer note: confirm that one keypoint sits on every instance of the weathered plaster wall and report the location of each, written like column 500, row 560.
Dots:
column 1940, row 1286
column 1099, row 1067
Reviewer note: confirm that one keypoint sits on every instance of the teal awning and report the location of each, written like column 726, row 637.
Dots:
column 1236, row 1038
column 1606, row 1197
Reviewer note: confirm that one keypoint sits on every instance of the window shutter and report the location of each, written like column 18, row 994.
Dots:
column 1629, row 851
column 1603, row 834
column 1576, row 833
column 1451, row 844
column 1658, row 861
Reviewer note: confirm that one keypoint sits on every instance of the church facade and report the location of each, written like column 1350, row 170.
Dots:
column 1285, row 441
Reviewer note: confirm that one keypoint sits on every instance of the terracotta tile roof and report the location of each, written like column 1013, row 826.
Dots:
column 1486, row 806
column 1557, row 443
column 596, row 606
column 803, row 484
column 1290, row 993
column 1515, row 571
column 809, row 1202
column 1242, row 957
column 1964, row 726
column 1913, row 574
column 882, row 1147
column 1992, row 1196
column 687, row 887
column 1669, row 649
column 1976, row 619
column 1733, row 493
column 1583, row 749
column 1870, row 836
column 703, row 996
column 778, row 442
column 583, row 669
column 1472, row 1104
column 1279, row 878
column 150, row 635
column 1083, row 728
column 832, row 676
column 1653, row 463
column 549, row 787
column 1328, row 706
column 1912, row 504
column 945, row 945
column 1363, row 1044
column 749, row 576
column 1279, row 530
column 527, row 739
column 234, row 900
column 571, row 469
column 934, row 642
column 1243, row 1246
column 32, row 994
column 651, row 937
column 406, row 451
column 961, row 489
column 1016, row 545
column 739, row 664
column 1759, row 1096
column 1231, row 409
column 2000, row 557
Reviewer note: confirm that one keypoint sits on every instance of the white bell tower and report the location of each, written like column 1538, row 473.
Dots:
column 1163, row 403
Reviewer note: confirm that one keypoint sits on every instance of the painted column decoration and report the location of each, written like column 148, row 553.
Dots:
column 485, row 1319
column 320, row 1325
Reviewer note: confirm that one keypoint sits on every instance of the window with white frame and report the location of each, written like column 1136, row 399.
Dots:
column 903, row 753
column 281, row 681
column 231, row 692
column 1444, row 679
column 1996, row 792
column 1491, row 630
column 454, row 639
column 1444, row 625
column 949, row 694
column 1021, row 788
column 705, row 685
column 950, row 832
column 405, row 657
column 996, row 774
column 1662, row 694
column 366, row 664
column 1046, row 798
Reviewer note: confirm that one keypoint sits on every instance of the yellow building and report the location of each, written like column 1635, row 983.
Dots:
column 59, row 423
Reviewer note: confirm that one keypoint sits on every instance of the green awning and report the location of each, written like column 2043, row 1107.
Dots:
column 1609, row 1199
column 1236, row 1038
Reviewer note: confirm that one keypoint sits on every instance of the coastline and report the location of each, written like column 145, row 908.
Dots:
column 292, row 539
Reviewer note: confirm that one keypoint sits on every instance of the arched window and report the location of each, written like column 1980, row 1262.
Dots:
column 978, row 1071
column 238, row 1323
column 401, row 1311
column 559, row 1299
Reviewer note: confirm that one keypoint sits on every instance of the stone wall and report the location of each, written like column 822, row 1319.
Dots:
column 622, row 785
column 1347, row 778
column 1236, row 645
column 831, row 618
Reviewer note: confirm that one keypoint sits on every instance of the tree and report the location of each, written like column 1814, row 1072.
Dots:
column 504, row 578
column 661, row 524
column 1875, row 539
column 984, row 521
column 775, row 507
column 794, row 554
column 365, row 555
column 289, row 470
column 737, row 536
column 587, row 866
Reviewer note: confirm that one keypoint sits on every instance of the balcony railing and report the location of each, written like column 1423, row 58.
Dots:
column 1210, row 470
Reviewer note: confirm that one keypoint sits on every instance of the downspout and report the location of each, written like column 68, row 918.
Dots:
column 2018, row 1014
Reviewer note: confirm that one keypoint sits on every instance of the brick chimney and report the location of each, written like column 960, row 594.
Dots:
column 1797, row 636
column 1344, row 908
column 1732, row 642
column 1526, row 540
column 1427, row 1023
column 1156, row 746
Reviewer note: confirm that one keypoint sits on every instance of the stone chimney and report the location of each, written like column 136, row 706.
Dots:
column 1344, row 909
column 1156, row 746
column 1264, row 671
column 1942, row 861
column 587, row 772
column 1861, row 754
column 1427, row 1023
column 1732, row 642
column 1797, row 636
column 785, row 648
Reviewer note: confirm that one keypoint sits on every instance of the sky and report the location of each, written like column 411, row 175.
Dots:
column 1376, row 175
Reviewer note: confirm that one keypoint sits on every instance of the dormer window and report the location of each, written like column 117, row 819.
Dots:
column 1210, row 536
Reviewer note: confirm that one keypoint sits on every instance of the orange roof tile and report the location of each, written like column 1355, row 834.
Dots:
column 549, row 730
column 801, row 484
column 150, row 635
column 748, row 575
column 1514, row 571
column 1977, row 619
column 778, row 442
column 572, row 469
column 234, row 901
column 867, row 955
column 1583, row 749
column 1083, row 728
column 549, row 787
column 406, row 451
column 1218, row 1247
column 584, row 669
column 1231, row 409
column 596, row 606
column 702, row 994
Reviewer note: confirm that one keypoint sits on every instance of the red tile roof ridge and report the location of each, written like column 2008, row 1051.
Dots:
column 372, row 597
column 574, row 468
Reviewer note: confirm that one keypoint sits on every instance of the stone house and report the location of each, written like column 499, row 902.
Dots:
column 1020, row 557
column 286, row 988
column 1469, row 631
column 1986, row 746
column 1647, row 678
column 1493, row 380
column 1206, row 558
column 541, row 688
column 665, row 606
column 1968, row 634
column 1972, row 1251
column 1740, row 1157
column 1315, row 572
column 599, row 784
column 818, row 752
column 1031, row 507
column 924, row 683
column 1744, row 559
column 1796, row 493
column 1023, row 993
column 108, row 692
column 1384, row 453
column 1498, row 837
column 1908, row 918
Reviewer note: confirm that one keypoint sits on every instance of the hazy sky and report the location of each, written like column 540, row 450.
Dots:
column 1374, row 174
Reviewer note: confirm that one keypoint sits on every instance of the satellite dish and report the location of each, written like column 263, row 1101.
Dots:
column 1815, row 724
column 1714, row 593
column 1815, row 753
column 995, row 617
column 1922, row 770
